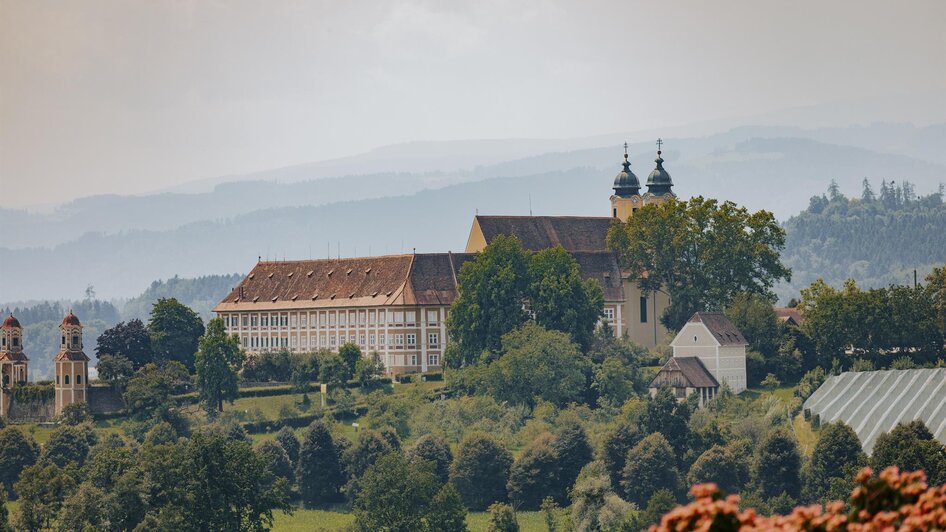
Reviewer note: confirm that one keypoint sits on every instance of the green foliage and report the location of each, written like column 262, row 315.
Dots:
column 492, row 288
column 368, row 370
column 446, row 512
column 41, row 490
column 897, row 319
column 650, row 466
column 753, row 315
column 502, row 518
column 130, row 340
column 350, row 353
column 394, row 495
column 873, row 241
column 69, row 444
column 614, row 381
column 617, row 443
column 200, row 293
column 701, row 252
column 389, row 411
column 669, row 417
column 532, row 358
column 480, row 471
column 4, row 513
column 720, row 465
column 75, row 413
column 371, row 446
column 560, row 298
column 572, row 451
column 659, row 504
column 435, row 450
column 911, row 447
column 228, row 486
column 17, row 452
column 175, row 330
column 810, row 382
column 151, row 388
column 835, row 461
column 770, row 382
column 219, row 359
column 333, row 371
column 33, row 393
column 320, row 468
column 276, row 459
column 114, row 369
column 269, row 366
column 290, row 443
column 535, row 475
column 595, row 506
column 776, row 467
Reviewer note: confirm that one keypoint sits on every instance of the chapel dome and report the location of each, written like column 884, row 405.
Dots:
column 659, row 182
column 626, row 183
column 71, row 319
column 11, row 323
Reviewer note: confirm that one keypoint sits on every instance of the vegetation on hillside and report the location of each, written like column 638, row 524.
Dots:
column 878, row 239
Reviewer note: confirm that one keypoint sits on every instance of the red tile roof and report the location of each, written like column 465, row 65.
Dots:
column 574, row 233
column 11, row 323
column 693, row 371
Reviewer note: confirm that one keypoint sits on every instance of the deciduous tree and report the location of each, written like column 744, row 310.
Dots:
column 394, row 495
column 480, row 471
column 175, row 330
column 219, row 359
column 560, row 298
column 130, row 340
column 535, row 475
column 17, row 452
column 650, row 466
column 701, row 252
column 320, row 468
column 434, row 450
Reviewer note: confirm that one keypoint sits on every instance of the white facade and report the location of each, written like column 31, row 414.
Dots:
column 727, row 363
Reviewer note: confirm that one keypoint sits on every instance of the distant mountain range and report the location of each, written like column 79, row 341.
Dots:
column 404, row 197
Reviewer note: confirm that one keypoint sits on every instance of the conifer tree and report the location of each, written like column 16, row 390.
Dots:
column 320, row 469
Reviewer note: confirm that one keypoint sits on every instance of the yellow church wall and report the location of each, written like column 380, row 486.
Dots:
column 476, row 241
column 647, row 333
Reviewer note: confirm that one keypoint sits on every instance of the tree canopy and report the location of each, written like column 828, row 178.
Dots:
column 219, row 359
column 701, row 252
column 175, row 330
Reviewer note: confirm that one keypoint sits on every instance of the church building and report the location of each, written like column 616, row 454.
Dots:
column 397, row 305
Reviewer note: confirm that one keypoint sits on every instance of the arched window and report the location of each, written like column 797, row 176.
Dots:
column 78, row 379
column 65, row 379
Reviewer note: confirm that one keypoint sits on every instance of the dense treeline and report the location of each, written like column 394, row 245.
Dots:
column 877, row 239
column 200, row 294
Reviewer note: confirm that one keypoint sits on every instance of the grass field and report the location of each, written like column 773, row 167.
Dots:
column 312, row 520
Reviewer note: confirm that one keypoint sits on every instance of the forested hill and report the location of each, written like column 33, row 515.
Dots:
column 877, row 239
column 200, row 294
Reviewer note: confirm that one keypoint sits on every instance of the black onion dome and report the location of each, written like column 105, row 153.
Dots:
column 626, row 183
column 659, row 182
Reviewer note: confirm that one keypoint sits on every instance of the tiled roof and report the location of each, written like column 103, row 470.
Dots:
column 361, row 281
column 693, row 370
column 574, row 233
column 11, row 356
column 721, row 327
column 602, row 266
column 786, row 313
column 74, row 356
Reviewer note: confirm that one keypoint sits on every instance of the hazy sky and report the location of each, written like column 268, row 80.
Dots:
column 124, row 96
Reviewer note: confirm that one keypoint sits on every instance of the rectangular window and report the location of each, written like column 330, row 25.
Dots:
column 294, row 340
column 253, row 320
column 332, row 341
column 410, row 317
column 433, row 339
column 381, row 316
column 285, row 321
column 398, row 339
column 609, row 314
column 331, row 319
column 370, row 339
column 411, row 340
column 398, row 317
column 245, row 342
column 362, row 317
column 381, row 340
column 341, row 339
column 432, row 316
column 342, row 318
column 244, row 320
column 433, row 360
column 413, row 360
column 643, row 310
column 321, row 318
column 294, row 322
column 305, row 342
column 372, row 317
column 303, row 320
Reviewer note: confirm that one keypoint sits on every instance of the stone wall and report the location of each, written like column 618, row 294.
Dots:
column 37, row 410
column 104, row 400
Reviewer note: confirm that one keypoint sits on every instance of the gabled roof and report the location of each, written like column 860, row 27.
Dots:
column 721, row 327
column 13, row 356
column 602, row 266
column 693, row 370
column 363, row 281
column 74, row 356
column 788, row 314
column 574, row 233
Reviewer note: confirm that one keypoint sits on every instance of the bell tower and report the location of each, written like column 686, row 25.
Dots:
column 627, row 192
column 13, row 361
column 72, row 365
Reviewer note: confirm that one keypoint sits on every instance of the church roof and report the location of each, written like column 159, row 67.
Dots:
column 788, row 314
column 626, row 183
column 659, row 182
column 574, row 233
column 73, row 356
column 13, row 356
column 602, row 266
column 11, row 323
column 721, row 327
column 416, row 279
column 693, row 370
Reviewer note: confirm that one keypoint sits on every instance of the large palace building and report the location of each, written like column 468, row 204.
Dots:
column 397, row 305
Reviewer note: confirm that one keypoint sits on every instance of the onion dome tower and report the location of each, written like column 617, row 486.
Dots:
column 627, row 191
column 13, row 361
column 659, row 182
column 72, row 365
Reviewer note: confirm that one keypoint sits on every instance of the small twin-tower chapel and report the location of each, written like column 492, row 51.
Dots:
column 71, row 367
